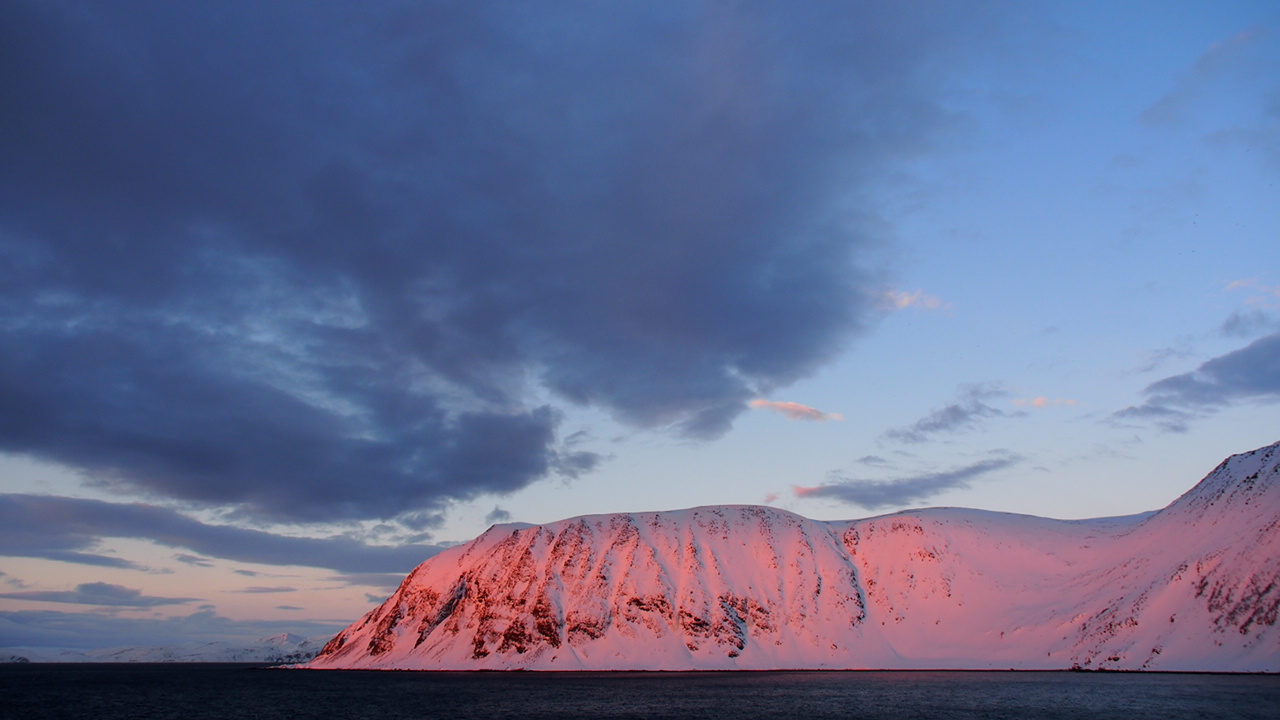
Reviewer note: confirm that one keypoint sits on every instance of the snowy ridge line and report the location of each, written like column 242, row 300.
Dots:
column 1194, row 586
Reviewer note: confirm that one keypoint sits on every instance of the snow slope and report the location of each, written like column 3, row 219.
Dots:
column 1195, row 586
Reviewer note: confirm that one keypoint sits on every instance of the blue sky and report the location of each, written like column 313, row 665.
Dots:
column 296, row 294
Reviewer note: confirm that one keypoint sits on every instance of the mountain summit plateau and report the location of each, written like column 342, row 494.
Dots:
column 1195, row 586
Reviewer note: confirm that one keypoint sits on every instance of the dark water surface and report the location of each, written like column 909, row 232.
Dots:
column 108, row 691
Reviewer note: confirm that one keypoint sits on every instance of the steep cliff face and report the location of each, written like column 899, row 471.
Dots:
column 1193, row 586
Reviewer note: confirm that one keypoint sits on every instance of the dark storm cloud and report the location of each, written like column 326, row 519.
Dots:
column 964, row 414
column 98, row 593
column 873, row 494
column 1250, row 373
column 57, row 528
column 309, row 260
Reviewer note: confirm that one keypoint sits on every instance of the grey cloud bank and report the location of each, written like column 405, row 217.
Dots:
column 98, row 593
column 1251, row 373
column 310, row 261
column 67, row 529
column 874, row 494
column 967, row 412
column 48, row 628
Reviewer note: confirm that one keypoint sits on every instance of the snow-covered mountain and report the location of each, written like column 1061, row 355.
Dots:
column 1195, row 586
column 283, row 648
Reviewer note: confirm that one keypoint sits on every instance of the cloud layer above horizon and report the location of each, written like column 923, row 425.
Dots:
column 876, row 494
column 1251, row 373
column 321, row 263
column 69, row 529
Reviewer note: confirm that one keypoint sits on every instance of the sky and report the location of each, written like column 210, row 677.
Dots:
column 295, row 295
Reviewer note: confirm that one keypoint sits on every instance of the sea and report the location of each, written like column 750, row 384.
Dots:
column 217, row 690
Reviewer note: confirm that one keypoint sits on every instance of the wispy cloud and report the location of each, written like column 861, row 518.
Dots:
column 1166, row 418
column 902, row 300
column 98, row 593
column 1250, row 373
column 1250, row 324
column 966, row 413
column 1170, row 108
column 873, row 494
column 1159, row 357
column 11, row 581
column 385, row 581
column 265, row 590
column 794, row 410
column 1260, row 294
column 1041, row 402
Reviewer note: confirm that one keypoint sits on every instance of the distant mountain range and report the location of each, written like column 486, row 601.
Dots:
column 280, row 649
column 1195, row 586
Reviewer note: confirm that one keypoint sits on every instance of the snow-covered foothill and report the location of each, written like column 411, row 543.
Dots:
column 1195, row 586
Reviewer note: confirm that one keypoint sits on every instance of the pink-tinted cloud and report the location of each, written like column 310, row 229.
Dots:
column 795, row 411
column 1263, row 295
column 901, row 300
column 1043, row 402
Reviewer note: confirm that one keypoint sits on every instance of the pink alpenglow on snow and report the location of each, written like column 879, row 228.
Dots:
column 1195, row 586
